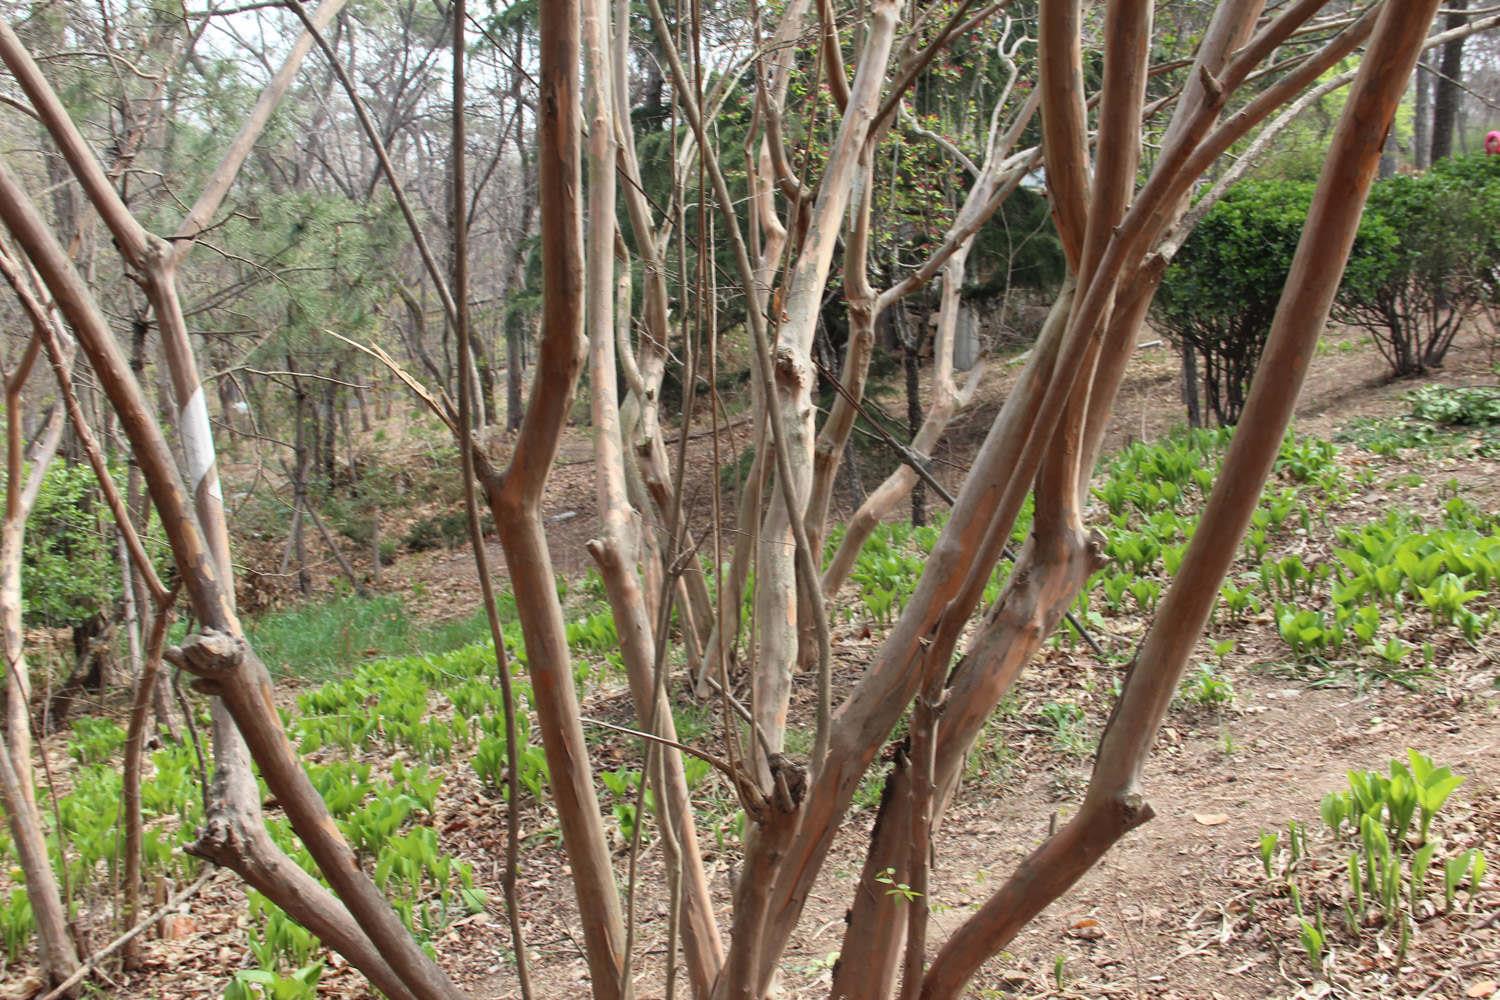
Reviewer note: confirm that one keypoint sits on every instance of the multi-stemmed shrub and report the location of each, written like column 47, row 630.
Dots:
column 1435, row 265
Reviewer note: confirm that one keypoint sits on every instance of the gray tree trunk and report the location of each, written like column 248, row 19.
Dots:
column 1449, row 91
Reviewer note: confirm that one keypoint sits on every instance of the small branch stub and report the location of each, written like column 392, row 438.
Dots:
column 211, row 656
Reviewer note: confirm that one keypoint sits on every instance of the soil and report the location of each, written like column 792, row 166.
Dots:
column 1181, row 908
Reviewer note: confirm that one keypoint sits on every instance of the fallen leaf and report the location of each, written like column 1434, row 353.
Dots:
column 1087, row 929
column 1483, row 988
column 1210, row 819
column 176, row 926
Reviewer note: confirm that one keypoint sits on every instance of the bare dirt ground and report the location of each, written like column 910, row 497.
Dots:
column 1180, row 909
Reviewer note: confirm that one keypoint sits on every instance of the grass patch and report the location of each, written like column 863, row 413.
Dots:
column 329, row 638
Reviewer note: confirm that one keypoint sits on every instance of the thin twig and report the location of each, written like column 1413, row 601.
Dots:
column 718, row 763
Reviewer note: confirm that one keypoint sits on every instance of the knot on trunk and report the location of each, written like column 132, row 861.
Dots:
column 210, row 655
column 788, row 788
column 789, row 780
column 791, row 370
column 1094, row 550
column 218, row 841
column 158, row 252
column 1135, row 811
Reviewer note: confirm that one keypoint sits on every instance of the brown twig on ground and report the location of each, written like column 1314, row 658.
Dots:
column 88, row 964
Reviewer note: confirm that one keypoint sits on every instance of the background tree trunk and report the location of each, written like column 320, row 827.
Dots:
column 1190, row 385
column 1449, row 90
column 1421, row 138
column 912, row 362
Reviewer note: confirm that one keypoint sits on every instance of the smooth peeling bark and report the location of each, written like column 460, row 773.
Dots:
column 702, row 946
column 200, row 543
column 860, row 299
column 1017, row 433
column 776, row 597
column 947, row 400
column 515, row 497
column 22, row 488
column 469, row 391
column 1042, row 586
column 1114, row 804
column 135, row 751
column 1181, row 162
column 644, row 365
column 768, row 237
column 39, row 244
column 697, row 609
column 997, row 180
column 864, row 721
column 775, row 823
column 723, row 639
column 1064, row 120
column 772, row 79
column 251, row 714
column 1046, row 580
column 773, row 804
column 879, row 699
column 933, row 662
column 55, row 951
column 615, row 550
column 160, row 269
column 570, row 774
column 1120, row 339
column 1127, row 51
column 833, row 437
column 234, row 836
column 875, row 924
column 1231, row 27
column 993, row 183
column 227, row 667
column 925, row 715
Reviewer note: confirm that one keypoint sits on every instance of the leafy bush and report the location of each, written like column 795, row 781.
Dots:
column 1436, row 265
column 69, row 558
column 445, row 531
column 1220, row 294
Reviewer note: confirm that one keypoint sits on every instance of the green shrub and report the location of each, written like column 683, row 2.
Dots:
column 1221, row 292
column 447, row 530
column 70, row 573
column 423, row 535
column 1436, row 263
column 1219, row 296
